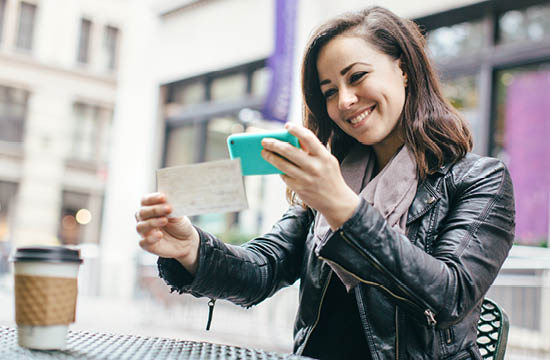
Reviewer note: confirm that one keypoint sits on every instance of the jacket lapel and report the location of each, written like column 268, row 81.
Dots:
column 426, row 198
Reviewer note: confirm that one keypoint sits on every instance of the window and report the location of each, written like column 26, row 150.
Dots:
column 463, row 93
column 228, row 87
column 192, row 93
column 528, row 24
column 201, row 112
column 13, row 108
column 449, row 41
column 80, row 218
column 495, row 62
column 91, row 132
column 110, row 47
column 261, row 79
column 183, row 142
column 520, row 138
column 25, row 32
column 7, row 197
column 2, row 12
column 84, row 41
column 217, row 131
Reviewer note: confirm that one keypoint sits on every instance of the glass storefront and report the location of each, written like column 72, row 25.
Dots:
column 463, row 93
column 496, row 70
column 520, row 138
column 211, row 104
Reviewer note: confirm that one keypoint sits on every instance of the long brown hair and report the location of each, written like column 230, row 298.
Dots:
column 433, row 130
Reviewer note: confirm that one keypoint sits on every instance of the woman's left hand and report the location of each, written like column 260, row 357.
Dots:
column 313, row 173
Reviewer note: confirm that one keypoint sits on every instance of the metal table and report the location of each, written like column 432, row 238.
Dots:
column 89, row 345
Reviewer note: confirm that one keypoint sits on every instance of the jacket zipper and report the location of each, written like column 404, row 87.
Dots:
column 318, row 310
column 449, row 335
column 211, row 304
column 428, row 313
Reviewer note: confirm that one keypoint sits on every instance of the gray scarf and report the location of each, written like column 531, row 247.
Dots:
column 391, row 192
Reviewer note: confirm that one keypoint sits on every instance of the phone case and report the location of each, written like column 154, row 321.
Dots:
column 248, row 147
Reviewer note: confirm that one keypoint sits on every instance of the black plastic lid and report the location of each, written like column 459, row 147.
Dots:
column 47, row 254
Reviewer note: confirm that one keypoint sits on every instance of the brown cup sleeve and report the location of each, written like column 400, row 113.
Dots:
column 45, row 301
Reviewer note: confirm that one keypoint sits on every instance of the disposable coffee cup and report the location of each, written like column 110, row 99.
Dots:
column 45, row 295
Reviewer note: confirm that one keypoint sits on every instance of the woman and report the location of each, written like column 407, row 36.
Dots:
column 396, row 231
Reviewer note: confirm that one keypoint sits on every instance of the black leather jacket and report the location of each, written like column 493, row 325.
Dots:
column 419, row 296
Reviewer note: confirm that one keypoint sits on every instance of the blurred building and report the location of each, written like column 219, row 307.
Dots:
column 58, row 86
column 97, row 95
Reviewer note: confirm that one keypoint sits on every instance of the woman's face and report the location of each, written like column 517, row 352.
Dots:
column 364, row 90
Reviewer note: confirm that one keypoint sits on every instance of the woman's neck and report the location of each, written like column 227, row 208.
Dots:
column 384, row 152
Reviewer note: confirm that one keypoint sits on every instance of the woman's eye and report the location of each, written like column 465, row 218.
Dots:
column 356, row 76
column 327, row 94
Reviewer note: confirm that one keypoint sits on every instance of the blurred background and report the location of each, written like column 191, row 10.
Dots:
column 95, row 95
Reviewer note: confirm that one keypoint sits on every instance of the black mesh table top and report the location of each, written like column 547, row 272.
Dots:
column 88, row 345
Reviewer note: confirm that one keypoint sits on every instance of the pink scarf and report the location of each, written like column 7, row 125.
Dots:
column 391, row 192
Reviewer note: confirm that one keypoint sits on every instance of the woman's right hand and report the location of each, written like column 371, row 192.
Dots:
column 167, row 237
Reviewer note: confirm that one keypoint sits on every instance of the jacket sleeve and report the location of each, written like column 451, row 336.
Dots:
column 247, row 274
column 470, row 246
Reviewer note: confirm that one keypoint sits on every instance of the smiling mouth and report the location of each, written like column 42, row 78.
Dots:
column 357, row 119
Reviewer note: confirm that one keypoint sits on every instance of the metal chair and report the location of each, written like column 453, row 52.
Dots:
column 492, row 330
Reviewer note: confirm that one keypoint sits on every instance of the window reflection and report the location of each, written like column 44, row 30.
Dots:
column 218, row 130
column 451, row 41
column 463, row 94
column 80, row 218
column 228, row 87
column 529, row 24
column 182, row 145
column 520, row 138
column 261, row 79
column 192, row 93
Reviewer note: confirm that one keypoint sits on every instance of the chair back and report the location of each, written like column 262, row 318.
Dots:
column 492, row 330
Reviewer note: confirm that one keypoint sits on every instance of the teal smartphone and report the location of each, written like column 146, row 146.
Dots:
column 248, row 147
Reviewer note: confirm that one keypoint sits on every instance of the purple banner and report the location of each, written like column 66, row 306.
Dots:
column 527, row 144
column 277, row 102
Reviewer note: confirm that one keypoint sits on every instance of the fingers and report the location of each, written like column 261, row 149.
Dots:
column 281, row 163
column 152, row 215
column 308, row 141
column 148, row 227
column 150, row 240
column 153, row 198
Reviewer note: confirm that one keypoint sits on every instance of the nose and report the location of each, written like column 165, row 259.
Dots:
column 346, row 98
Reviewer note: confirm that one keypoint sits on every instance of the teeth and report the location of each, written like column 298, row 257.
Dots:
column 360, row 117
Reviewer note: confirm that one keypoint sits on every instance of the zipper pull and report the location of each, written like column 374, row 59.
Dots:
column 211, row 304
column 430, row 317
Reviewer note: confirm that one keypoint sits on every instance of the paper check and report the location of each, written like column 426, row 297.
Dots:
column 210, row 187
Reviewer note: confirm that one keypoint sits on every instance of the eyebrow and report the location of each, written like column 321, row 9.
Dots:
column 343, row 71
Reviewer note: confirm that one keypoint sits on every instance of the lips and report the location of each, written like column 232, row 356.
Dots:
column 357, row 119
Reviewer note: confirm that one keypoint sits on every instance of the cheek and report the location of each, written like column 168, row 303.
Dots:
column 332, row 110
